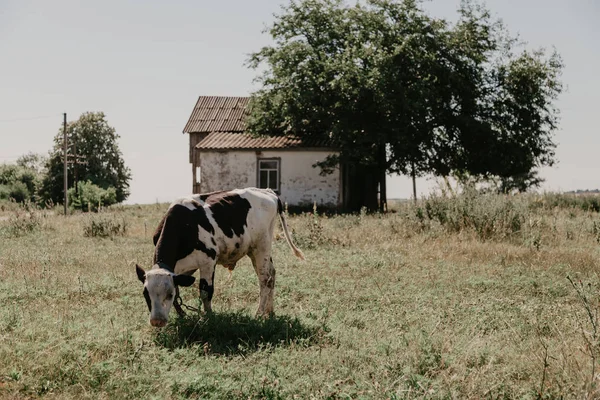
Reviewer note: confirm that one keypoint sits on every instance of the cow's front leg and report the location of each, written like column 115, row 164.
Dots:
column 207, row 289
column 263, row 265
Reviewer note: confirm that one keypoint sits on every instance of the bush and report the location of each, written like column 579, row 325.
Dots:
column 25, row 220
column 4, row 192
column 488, row 215
column 22, row 183
column 104, row 226
column 91, row 197
column 586, row 202
column 19, row 192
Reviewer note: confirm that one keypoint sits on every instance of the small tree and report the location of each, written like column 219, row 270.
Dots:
column 94, row 142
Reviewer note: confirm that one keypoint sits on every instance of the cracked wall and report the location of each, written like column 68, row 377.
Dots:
column 300, row 183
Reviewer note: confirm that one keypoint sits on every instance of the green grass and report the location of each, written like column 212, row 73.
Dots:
column 467, row 300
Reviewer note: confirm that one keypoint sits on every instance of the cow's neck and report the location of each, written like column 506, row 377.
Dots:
column 165, row 253
column 162, row 265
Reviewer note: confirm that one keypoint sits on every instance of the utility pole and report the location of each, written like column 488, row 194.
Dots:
column 65, row 161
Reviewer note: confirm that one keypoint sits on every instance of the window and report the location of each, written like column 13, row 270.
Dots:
column 268, row 173
column 198, row 175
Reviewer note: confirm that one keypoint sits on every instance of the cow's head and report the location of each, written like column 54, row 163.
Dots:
column 159, row 291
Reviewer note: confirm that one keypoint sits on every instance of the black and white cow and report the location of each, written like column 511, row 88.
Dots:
column 203, row 230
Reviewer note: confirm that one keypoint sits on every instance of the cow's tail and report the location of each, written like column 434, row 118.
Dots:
column 288, row 237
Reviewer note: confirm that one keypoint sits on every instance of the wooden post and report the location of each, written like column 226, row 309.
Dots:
column 65, row 175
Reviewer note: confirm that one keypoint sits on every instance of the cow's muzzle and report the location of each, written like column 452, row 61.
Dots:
column 158, row 323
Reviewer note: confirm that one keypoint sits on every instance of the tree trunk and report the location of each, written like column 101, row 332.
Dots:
column 382, row 182
column 414, row 182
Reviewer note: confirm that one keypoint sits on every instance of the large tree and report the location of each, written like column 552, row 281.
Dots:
column 398, row 91
column 93, row 144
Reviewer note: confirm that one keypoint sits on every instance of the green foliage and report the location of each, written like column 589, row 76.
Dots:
column 488, row 215
column 95, row 143
column 91, row 197
column 18, row 182
column 104, row 225
column 586, row 202
column 399, row 91
column 4, row 192
column 33, row 161
column 19, row 192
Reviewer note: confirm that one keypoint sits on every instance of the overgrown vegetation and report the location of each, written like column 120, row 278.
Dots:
column 24, row 219
column 19, row 182
column 476, row 296
column 90, row 197
column 104, row 225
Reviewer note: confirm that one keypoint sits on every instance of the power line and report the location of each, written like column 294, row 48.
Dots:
column 29, row 118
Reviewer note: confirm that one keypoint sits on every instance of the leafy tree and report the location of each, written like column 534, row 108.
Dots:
column 500, row 128
column 33, row 161
column 94, row 143
column 398, row 91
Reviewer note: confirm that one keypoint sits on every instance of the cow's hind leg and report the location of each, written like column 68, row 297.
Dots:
column 207, row 288
column 263, row 265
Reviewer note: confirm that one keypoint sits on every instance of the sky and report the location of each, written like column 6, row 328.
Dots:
column 144, row 64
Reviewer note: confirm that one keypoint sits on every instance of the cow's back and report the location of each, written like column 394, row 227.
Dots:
column 243, row 219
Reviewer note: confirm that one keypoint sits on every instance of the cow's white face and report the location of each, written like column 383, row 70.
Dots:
column 159, row 291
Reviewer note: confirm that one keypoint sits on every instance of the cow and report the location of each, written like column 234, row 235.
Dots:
column 203, row 230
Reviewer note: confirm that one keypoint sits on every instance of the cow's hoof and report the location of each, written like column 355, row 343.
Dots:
column 264, row 315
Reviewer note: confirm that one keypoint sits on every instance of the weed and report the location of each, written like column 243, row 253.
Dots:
column 488, row 216
column 104, row 225
column 25, row 219
column 588, row 295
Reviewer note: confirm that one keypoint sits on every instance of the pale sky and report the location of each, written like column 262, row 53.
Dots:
column 144, row 64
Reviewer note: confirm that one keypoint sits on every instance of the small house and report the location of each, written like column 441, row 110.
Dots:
column 224, row 156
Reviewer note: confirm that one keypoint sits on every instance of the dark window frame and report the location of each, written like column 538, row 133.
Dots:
column 258, row 169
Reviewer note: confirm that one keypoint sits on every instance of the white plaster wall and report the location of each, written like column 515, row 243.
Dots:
column 226, row 170
column 300, row 183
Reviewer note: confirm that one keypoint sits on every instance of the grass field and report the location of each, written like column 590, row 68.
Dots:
column 467, row 298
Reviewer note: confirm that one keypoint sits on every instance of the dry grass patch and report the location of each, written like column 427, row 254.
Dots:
column 387, row 306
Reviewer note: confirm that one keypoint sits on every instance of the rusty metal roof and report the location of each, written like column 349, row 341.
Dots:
column 235, row 140
column 218, row 114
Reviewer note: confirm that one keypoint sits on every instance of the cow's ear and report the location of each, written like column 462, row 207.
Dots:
column 183, row 280
column 140, row 273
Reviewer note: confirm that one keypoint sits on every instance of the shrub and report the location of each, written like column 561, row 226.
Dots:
column 91, row 197
column 22, row 183
column 488, row 215
column 25, row 220
column 19, row 192
column 104, row 226
column 586, row 202
column 4, row 192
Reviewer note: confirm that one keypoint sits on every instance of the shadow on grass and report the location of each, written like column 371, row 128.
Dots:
column 230, row 333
